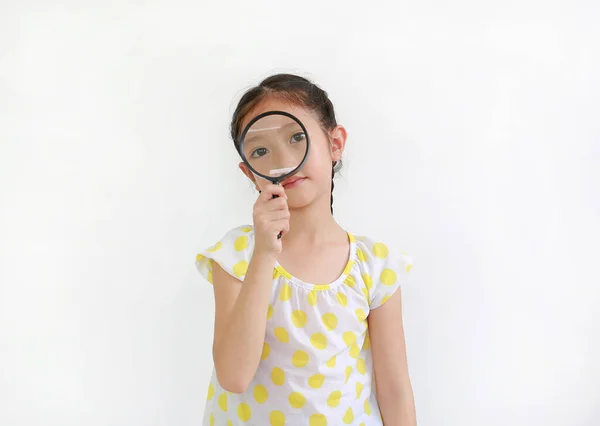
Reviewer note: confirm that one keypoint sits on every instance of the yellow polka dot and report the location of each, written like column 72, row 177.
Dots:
column 349, row 416
column 240, row 268
column 354, row 351
column 299, row 318
column 366, row 293
column 211, row 392
column 243, row 412
column 229, row 423
column 330, row 320
column 361, row 255
column 277, row 418
column 265, row 352
column 277, row 376
column 260, row 394
column 331, row 363
column 240, row 243
column 350, row 281
column 276, row 273
column 319, row 341
column 348, row 373
column 317, row 420
column 285, row 293
column 380, row 250
column 297, row 400
column 359, row 389
column 300, row 359
column 362, row 424
column 368, row 281
column 342, row 299
column 349, row 338
column 215, row 247
column 199, row 257
column 367, row 407
column 211, row 420
column 361, row 366
column 282, row 334
column 348, row 268
column 223, row 401
column 269, row 312
column 312, row 297
column 385, row 299
column 367, row 342
column 408, row 267
column 316, row 381
column 388, row 277
column 246, row 229
column 334, row 399
column 360, row 314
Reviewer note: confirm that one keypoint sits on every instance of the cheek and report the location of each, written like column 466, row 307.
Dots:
column 318, row 166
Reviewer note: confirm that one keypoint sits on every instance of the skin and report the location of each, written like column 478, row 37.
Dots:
column 310, row 237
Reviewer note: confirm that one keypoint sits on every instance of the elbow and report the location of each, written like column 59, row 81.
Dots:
column 233, row 374
column 233, row 383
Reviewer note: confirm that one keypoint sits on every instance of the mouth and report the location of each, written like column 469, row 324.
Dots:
column 293, row 182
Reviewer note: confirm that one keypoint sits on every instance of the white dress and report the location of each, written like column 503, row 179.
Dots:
column 316, row 367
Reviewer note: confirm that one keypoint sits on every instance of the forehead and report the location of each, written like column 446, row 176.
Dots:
column 270, row 104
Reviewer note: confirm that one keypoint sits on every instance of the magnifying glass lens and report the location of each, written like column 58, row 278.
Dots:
column 275, row 145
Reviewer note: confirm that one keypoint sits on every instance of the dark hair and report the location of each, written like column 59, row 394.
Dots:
column 297, row 91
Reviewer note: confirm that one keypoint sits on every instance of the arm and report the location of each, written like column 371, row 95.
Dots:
column 241, row 309
column 394, row 390
column 240, row 322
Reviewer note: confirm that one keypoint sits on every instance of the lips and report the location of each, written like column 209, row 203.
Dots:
column 292, row 181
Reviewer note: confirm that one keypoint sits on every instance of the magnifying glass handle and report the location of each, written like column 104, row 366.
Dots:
column 277, row 196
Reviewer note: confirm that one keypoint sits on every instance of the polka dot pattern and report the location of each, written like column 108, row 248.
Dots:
column 316, row 381
column 300, row 359
column 299, row 318
column 261, row 394
column 317, row 420
column 297, row 400
column 276, row 418
column 330, row 321
column 319, row 341
column 244, row 413
column 316, row 358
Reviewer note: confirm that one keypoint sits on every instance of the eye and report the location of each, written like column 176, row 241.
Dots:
column 298, row 137
column 259, row 152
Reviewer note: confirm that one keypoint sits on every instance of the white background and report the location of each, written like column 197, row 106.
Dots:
column 474, row 144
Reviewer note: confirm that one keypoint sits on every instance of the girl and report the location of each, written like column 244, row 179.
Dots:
column 304, row 324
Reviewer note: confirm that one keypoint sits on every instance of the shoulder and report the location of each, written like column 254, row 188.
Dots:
column 238, row 238
column 382, row 266
column 232, row 252
column 375, row 253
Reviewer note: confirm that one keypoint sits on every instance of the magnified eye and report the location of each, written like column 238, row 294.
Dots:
column 298, row 137
column 259, row 152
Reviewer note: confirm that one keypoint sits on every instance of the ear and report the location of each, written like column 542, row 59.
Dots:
column 337, row 141
column 245, row 170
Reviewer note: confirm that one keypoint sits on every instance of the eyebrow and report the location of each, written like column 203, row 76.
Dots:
column 250, row 139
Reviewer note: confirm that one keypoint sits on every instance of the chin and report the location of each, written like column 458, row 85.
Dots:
column 302, row 199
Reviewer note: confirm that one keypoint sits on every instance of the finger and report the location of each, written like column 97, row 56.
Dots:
column 270, row 190
column 276, row 204
column 282, row 226
column 277, row 215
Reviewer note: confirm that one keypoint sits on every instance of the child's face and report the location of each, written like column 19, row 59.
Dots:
column 315, row 177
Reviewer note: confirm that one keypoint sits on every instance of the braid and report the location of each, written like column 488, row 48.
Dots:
column 332, row 184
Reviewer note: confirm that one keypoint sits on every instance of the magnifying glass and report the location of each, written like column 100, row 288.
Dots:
column 274, row 145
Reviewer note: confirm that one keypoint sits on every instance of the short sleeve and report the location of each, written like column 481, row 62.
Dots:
column 384, row 270
column 232, row 252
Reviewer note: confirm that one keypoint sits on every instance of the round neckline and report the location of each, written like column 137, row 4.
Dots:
column 319, row 287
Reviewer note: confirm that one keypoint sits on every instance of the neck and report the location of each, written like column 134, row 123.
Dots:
column 314, row 223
